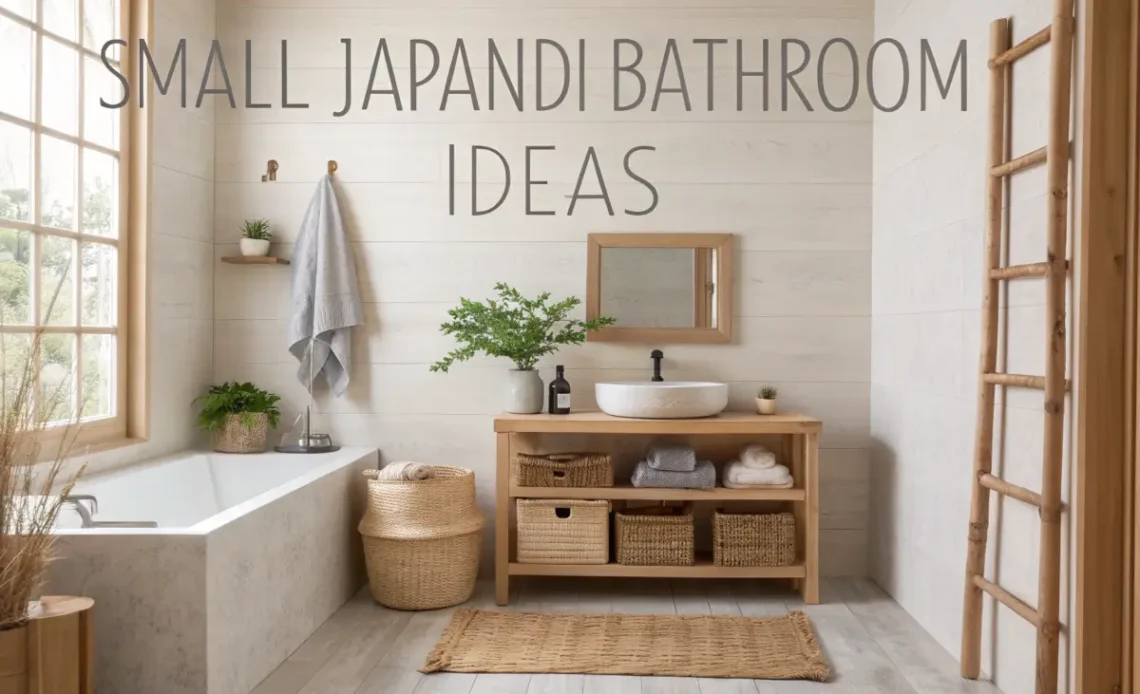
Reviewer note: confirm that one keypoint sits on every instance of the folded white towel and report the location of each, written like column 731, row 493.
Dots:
column 757, row 457
column 409, row 472
column 737, row 475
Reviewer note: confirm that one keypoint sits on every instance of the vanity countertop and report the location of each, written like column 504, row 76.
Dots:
column 594, row 422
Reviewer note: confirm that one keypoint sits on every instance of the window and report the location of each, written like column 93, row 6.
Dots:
column 64, row 179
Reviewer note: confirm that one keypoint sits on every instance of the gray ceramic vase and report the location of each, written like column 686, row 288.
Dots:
column 524, row 392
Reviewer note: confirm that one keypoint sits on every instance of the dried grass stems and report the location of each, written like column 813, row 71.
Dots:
column 31, row 467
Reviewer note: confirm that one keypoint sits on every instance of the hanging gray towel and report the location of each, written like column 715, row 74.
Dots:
column 326, row 300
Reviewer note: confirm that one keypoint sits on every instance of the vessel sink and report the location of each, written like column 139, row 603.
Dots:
column 662, row 400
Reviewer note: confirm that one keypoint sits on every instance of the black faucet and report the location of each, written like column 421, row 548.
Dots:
column 657, row 355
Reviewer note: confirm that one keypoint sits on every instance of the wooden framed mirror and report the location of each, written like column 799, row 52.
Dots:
column 661, row 288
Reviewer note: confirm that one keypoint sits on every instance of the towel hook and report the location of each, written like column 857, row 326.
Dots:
column 333, row 166
column 270, row 172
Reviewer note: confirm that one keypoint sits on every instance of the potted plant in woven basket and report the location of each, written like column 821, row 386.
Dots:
column 520, row 329
column 239, row 415
column 38, row 427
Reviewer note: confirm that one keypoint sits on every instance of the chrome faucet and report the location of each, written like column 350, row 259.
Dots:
column 85, row 515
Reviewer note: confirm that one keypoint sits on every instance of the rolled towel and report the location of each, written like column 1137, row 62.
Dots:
column 672, row 457
column 413, row 472
column 704, row 477
column 757, row 457
column 737, row 475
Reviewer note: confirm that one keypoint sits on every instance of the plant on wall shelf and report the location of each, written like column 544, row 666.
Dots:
column 255, row 237
column 516, row 328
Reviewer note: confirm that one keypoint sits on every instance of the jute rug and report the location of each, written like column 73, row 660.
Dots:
column 778, row 648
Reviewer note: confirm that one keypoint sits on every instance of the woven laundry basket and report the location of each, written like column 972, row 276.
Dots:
column 563, row 531
column 563, row 470
column 656, row 536
column 422, row 539
column 753, row 539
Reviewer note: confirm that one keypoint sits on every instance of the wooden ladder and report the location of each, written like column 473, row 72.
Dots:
column 1055, row 272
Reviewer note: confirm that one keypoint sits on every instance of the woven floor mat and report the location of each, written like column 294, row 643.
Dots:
column 778, row 648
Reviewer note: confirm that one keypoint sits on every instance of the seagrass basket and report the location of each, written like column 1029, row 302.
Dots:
column 563, row 531
column 235, row 437
column 656, row 536
column 422, row 539
column 753, row 539
column 563, row 470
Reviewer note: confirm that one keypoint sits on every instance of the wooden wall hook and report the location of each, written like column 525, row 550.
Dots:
column 333, row 166
column 270, row 172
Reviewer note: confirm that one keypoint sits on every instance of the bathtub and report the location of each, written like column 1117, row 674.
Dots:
column 251, row 554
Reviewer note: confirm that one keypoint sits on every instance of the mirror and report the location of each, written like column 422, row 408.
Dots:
column 661, row 287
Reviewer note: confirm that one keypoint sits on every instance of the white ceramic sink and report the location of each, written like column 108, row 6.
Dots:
column 664, row 400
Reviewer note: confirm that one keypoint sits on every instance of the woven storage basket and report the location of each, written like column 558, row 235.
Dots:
column 235, row 437
column 656, row 536
column 563, row 470
column 422, row 539
column 563, row 531
column 753, row 539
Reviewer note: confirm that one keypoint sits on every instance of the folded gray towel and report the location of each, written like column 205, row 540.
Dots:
column 704, row 477
column 673, row 457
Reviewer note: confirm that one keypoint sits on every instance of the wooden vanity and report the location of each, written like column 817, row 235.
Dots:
column 794, row 438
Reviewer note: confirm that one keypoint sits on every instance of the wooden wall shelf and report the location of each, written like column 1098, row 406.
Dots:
column 794, row 437
column 254, row 260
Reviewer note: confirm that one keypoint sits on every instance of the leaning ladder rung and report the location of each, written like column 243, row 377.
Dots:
column 1019, row 381
column 996, row 484
column 1014, row 272
column 1009, row 600
column 1037, row 156
column 1024, row 48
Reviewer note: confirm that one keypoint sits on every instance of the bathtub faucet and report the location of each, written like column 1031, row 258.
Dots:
column 76, row 501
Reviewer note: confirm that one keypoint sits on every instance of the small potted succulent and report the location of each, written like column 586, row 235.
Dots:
column 520, row 329
column 766, row 400
column 255, row 238
column 239, row 415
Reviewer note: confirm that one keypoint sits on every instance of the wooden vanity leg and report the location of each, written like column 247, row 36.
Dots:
column 502, row 519
column 811, row 517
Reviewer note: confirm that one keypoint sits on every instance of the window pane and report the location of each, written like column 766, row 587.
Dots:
column 15, row 277
column 15, row 350
column 100, row 194
column 100, row 278
column 57, row 280
column 57, row 178
column 99, row 363
column 15, row 172
column 25, row 8
column 16, row 58
column 60, row 17
column 57, row 376
column 100, row 125
column 61, row 88
column 100, row 23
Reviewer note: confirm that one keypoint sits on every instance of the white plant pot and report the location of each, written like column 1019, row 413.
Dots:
column 254, row 247
column 765, row 406
column 524, row 392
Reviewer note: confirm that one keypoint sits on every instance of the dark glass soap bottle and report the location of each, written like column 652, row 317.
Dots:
column 559, row 393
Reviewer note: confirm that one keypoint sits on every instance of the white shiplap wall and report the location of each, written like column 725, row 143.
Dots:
column 929, row 195
column 794, row 187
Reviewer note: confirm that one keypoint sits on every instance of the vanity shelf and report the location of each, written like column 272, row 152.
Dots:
column 794, row 437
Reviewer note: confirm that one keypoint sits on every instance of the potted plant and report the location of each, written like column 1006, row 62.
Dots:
column 239, row 415
column 34, row 447
column 520, row 329
column 766, row 400
column 255, row 238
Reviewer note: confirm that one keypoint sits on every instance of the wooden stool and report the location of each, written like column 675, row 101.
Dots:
column 54, row 653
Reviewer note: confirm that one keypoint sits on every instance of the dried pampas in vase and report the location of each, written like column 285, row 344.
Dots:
column 38, row 426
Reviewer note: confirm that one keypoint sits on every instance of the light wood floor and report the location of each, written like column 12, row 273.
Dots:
column 873, row 644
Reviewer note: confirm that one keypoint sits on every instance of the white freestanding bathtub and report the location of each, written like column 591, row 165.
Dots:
column 251, row 554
